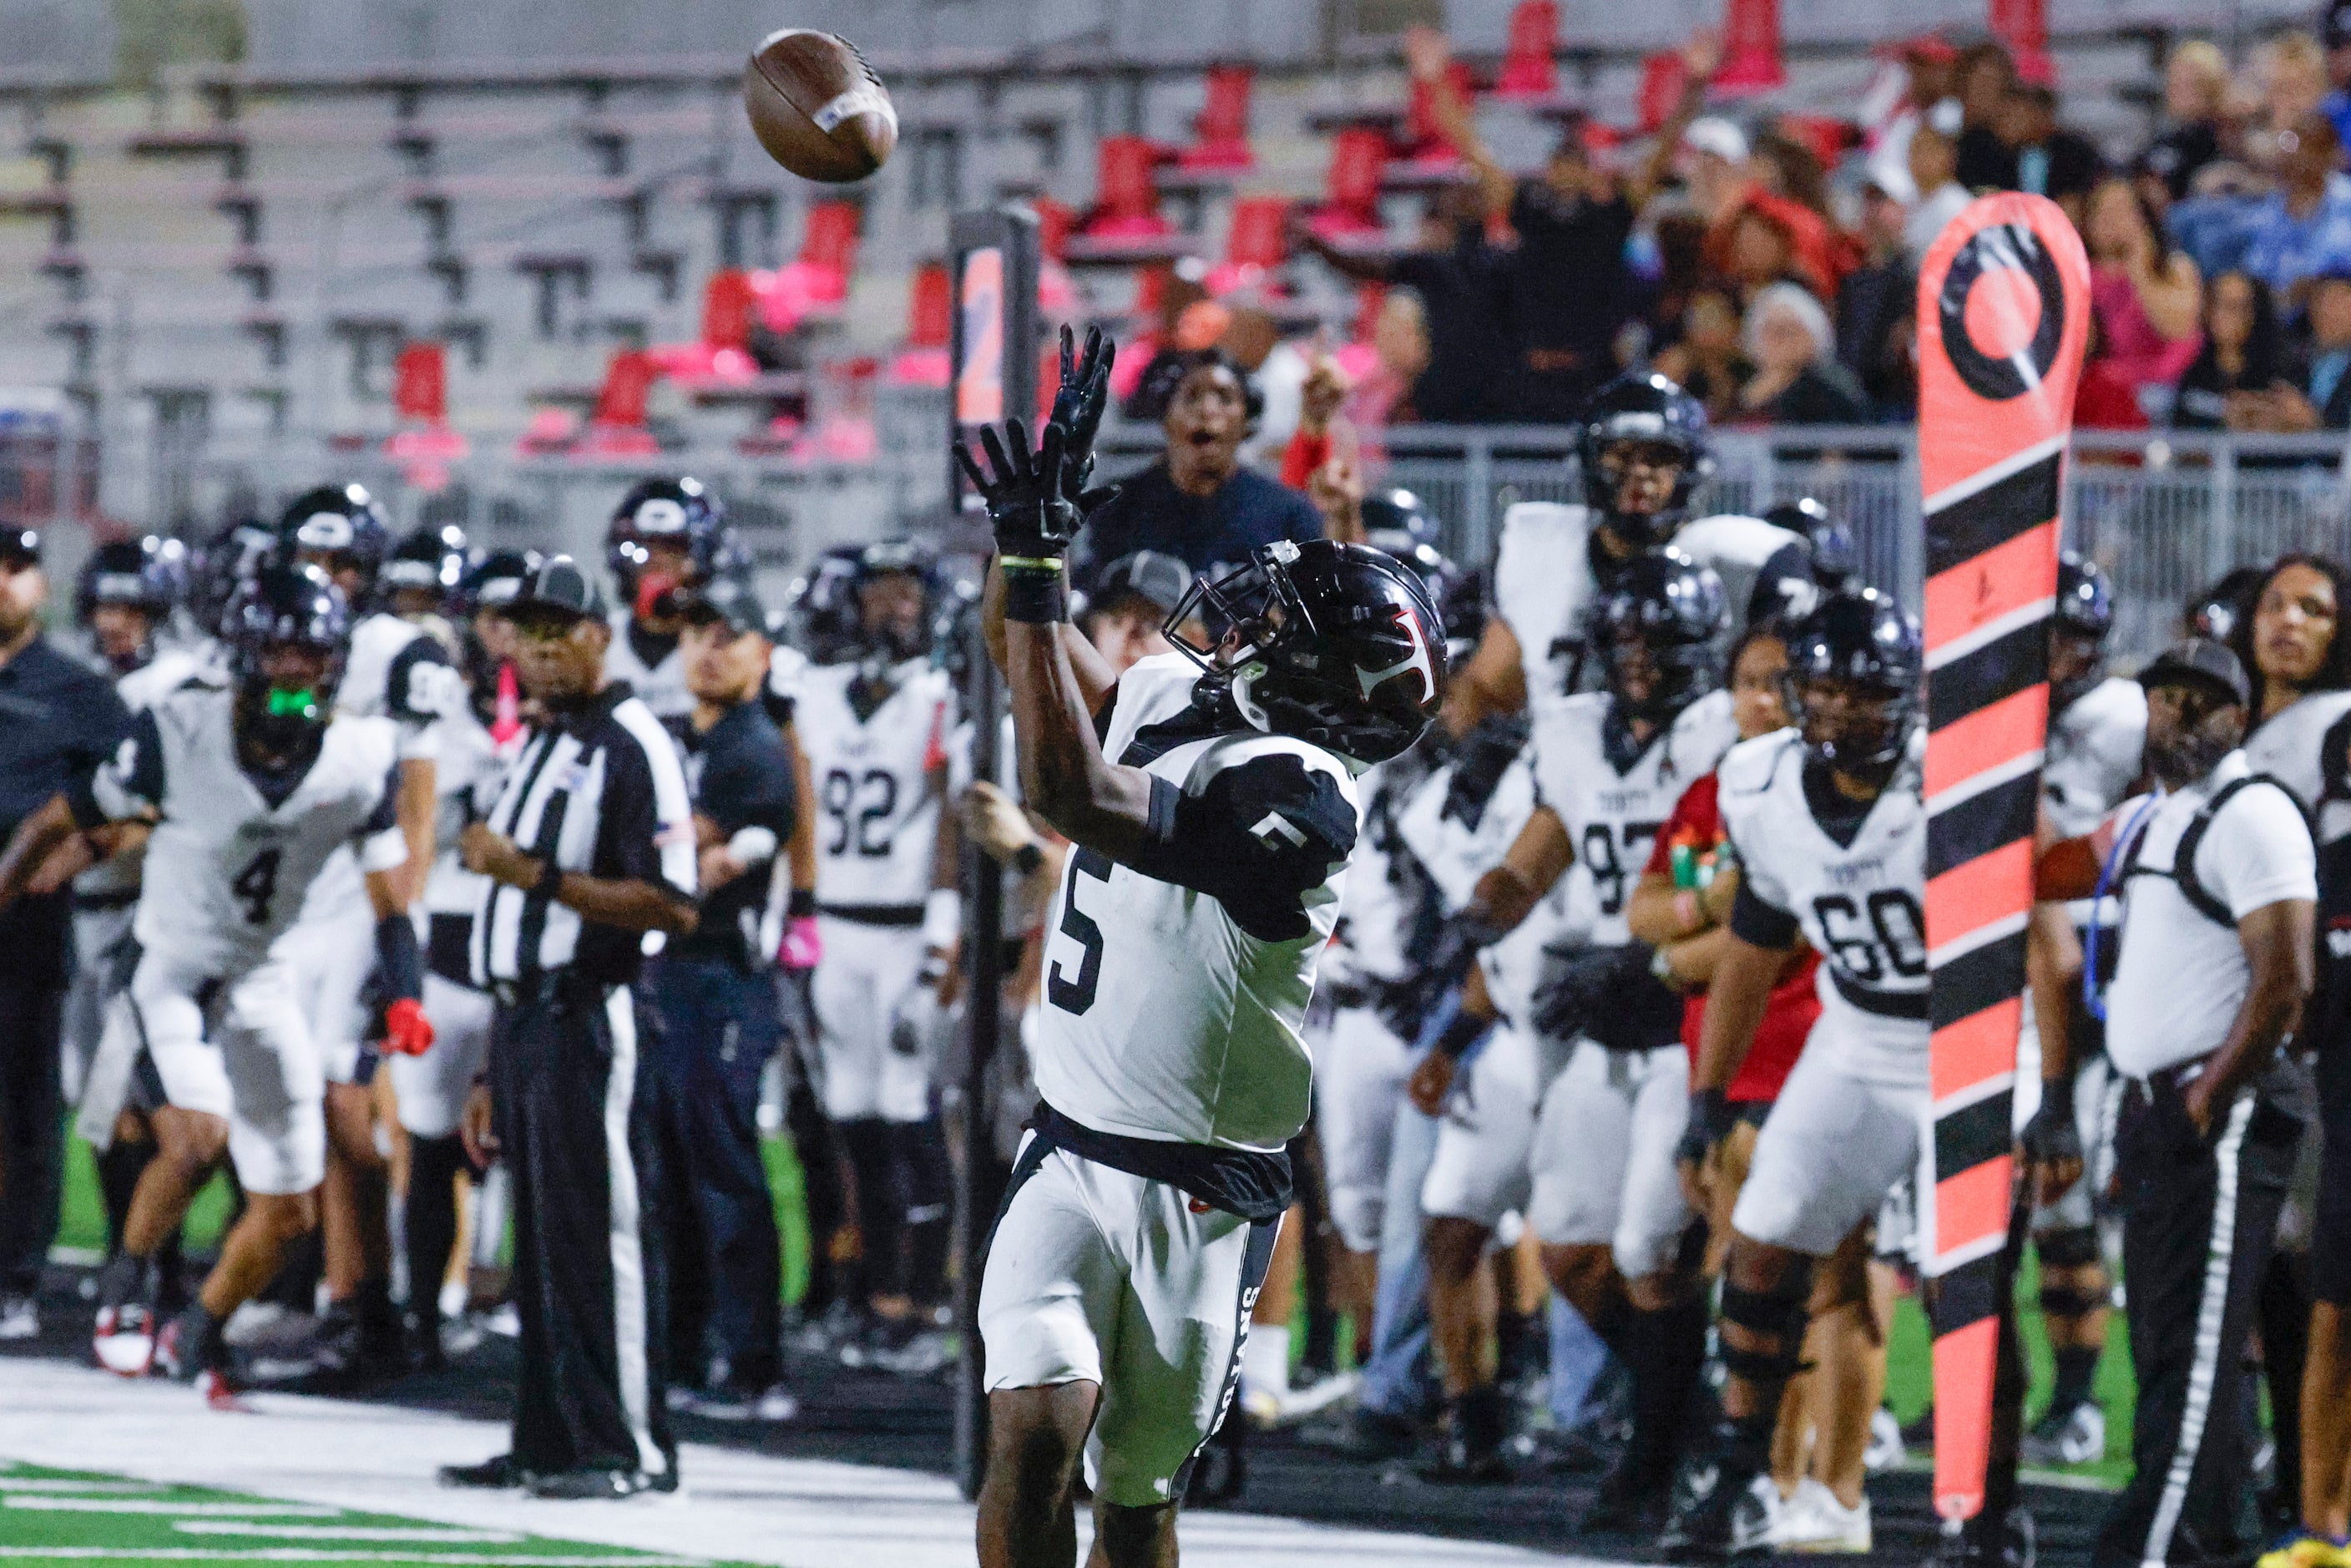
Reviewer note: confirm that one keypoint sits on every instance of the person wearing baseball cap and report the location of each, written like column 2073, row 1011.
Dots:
column 2218, row 878
column 1127, row 614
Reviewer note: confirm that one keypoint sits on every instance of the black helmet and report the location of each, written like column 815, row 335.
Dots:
column 222, row 565
column 1836, row 560
column 2085, row 613
column 1675, row 611
column 1643, row 406
column 823, row 607
column 908, row 639
column 1342, row 645
column 148, row 574
column 1396, row 520
column 282, row 604
column 2217, row 610
column 341, row 522
column 1865, row 640
column 496, row 579
column 681, row 510
column 430, row 560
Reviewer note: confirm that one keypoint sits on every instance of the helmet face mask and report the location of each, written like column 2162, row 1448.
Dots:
column 341, row 529
column 1857, row 729
column 894, row 594
column 288, row 632
column 1657, row 633
column 1856, row 666
column 1643, row 453
column 1335, row 645
column 126, row 593
column 663, row 536
column 2084, row 617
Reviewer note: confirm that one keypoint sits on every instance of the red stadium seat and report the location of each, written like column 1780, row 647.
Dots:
column 1359, row 153
column 1222, row 128
column 930, row 322
column 1257, row 243
column 1528, row 68
column 1127, row 201
column 1424, row 141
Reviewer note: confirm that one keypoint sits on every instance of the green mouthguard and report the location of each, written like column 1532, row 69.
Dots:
column 293, row 704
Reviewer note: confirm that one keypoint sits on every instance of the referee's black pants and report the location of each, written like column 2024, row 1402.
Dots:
column 32, row 1107
column 2200, row 1221
column 580, row 1120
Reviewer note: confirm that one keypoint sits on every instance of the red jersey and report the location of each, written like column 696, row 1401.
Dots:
column 1794, row 1005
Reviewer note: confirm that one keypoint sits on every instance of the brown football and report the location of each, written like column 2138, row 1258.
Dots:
column 818, row 107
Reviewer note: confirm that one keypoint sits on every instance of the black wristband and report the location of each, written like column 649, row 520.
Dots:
column 550, row 881
column 1462, row 1031
column 801, row 905
column 1035, row 596
column 1028, row 858
column 2057, row 1096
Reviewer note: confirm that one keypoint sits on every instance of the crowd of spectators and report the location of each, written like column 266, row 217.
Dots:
column 1769, row 261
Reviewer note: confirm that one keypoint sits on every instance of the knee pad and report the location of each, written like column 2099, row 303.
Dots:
column 2073, row 1247
column 1778, row 1316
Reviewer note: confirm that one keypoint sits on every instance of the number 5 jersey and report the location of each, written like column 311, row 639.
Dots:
column 232, row 852
column 1853, row 879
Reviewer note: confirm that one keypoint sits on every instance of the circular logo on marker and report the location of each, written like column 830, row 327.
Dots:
column 2003, row 311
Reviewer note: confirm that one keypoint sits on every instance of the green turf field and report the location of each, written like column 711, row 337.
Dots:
column 65, row 1516
column 1910, row 1374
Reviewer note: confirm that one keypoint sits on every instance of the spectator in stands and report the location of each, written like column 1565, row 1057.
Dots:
column 1464, row 287
column 1278, row 367
column 2334, row 36
column 1196, row 503
column 1788, row 167
column 1934, row 169
column 1681, row 271
column 2241, row 359
column 1709, row 360
column 2306, row 226
column 1400, row 341
column 1769, row 239
column 2051, row 161
column 2292, row 73
column 2144, row 295
column 2319, row 397
column 1876, row 299
column 1985, row 76
column 1797, row 378
column 2195, row 101
column 2105, row 399
column 1713, row 164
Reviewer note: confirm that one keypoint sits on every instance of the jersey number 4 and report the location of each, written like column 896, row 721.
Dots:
column 257, row 885
column 1869, row 947
column 853, row 822
column 1076, row 996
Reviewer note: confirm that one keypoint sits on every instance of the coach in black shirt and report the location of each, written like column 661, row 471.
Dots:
column 1197, row 503
column 721, row 1023
column 58, row 720
column 589, row 849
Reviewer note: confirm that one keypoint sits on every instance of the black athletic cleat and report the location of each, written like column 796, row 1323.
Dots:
column 1362, row 1434
column 1981, row 1542
column 589, row 1486
column 1631, row 1500
column 1471, row 1447
column 498, row 1474
column 1716, row 1516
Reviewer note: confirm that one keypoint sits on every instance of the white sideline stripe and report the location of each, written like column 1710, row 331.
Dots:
column 46, row 1484
column 304, row 1554
column 450, row 1534
column 1985, row 478
column 164, row 1505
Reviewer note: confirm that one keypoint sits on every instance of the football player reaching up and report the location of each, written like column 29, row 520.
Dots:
column 1830, row 836
column 251, row 791
column 1208, row 862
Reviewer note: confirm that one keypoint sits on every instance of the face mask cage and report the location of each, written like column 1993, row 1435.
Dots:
column 1252, row 609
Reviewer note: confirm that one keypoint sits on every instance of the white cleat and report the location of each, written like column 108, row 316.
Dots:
column 1886, row 1450
column 1814, row 1521
column 124, row 1340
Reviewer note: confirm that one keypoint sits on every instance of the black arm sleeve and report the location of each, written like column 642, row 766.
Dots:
column 399, row 968
column 1257, row 839
column 136, row 765
column 1763, row 925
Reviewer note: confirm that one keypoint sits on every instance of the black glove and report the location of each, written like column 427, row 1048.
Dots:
column 1025, row 505
column 1404, row 1006
column 2052, row 1137
column 1710, row 1121
column 1603, row 992
column 1485, row 753
column 1077, row 408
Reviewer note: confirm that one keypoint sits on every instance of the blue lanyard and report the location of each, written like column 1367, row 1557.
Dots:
column 2094, row 999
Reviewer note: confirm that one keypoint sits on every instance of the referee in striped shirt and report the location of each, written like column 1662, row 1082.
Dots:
column 591, row 855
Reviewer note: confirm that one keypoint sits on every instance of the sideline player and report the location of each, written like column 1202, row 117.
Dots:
column 1595, row 1166
column 663, row 536
column 396, row 669
column 124, row 602
column 874, row 730
column 251, row 791
column 1830, row 830
column 2097, row 736
column 1208, row 874
column 478, row 740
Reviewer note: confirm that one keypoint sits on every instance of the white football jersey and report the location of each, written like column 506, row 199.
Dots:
column 226, row 869
column 1543, row 579
column 2097, row 749
column 660, row 686
column 1175, row 990
column 142, row 689
column 1861, row 905
column 2302, row 745
column 1369, row 943
column 399, row 670
column 466, row 780
column 877, row 819
column 1613, row 794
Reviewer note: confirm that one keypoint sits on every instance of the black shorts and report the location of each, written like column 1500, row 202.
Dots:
column 2330, row 1255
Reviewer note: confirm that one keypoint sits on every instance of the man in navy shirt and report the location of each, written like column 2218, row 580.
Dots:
column 58, row 720
column 1197, row 503
column 722, row 1023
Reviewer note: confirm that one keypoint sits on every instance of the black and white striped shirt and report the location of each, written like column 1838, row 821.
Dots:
column 601, row 792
